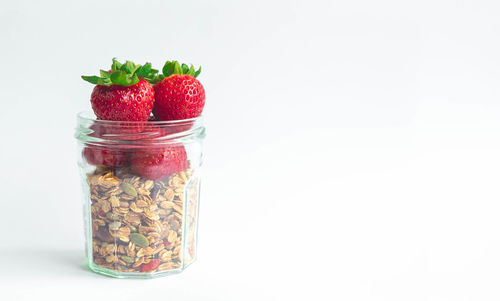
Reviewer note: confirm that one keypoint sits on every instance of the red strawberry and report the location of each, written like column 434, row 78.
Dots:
column 179, row 95
column 140, row 131
column 170, row 127
column 107, row 156
column 123, row 103
column 149, row 132
column 124, row 130
column 153, row 131
column 123, row 94
column 158, row 162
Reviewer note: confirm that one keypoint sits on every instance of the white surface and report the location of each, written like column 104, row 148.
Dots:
column 352, row 149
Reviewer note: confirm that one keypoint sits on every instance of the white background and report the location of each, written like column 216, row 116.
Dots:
column 352, row 149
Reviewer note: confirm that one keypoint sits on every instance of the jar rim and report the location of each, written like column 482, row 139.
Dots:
column 86, row 116
column 91, row 130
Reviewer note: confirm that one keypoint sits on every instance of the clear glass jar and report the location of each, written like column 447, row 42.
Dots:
column 141, row 187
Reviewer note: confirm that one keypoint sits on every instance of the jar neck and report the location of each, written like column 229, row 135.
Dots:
column 93, row 131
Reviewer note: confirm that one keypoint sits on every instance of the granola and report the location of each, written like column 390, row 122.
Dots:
column 137, row 223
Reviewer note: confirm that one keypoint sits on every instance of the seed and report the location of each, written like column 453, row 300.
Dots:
column 128, row 259
column 129, row 189
column 139, row 239
column 132, row 228
column 112, row 216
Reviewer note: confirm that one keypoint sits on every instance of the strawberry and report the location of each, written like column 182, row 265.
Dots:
column 123, row 93
column 140, row 131
column 107, row 156
column 156, row 162
column 173, row 127
column 122, row 131
column 178, row 94
column 150, row 131
column 123, row 103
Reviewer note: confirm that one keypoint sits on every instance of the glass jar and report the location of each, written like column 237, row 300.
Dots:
column 141, row 187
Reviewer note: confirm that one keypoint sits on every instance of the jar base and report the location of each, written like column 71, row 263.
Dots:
column 127, row 275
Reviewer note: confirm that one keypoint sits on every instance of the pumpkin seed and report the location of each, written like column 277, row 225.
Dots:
column 129, row 189
column 132, row 228
column 128, row 259
column 139, row 239
column 112, row 216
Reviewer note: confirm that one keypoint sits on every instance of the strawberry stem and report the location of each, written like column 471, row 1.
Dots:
column 126, row 74
column 174, row 67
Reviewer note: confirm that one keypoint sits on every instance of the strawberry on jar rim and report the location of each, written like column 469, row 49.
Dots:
column 123, row 93
column 178, row 94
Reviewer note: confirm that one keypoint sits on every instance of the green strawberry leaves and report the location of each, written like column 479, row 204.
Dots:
column 145, row 71
column 127, row 74
column 168, row 68
column 123, row 79
column 197, row 72
column 96, row 80
column 173, row 67
column 105, row 74
column 116, row 65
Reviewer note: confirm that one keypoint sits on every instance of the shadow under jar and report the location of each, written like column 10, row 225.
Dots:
column 141, row 187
